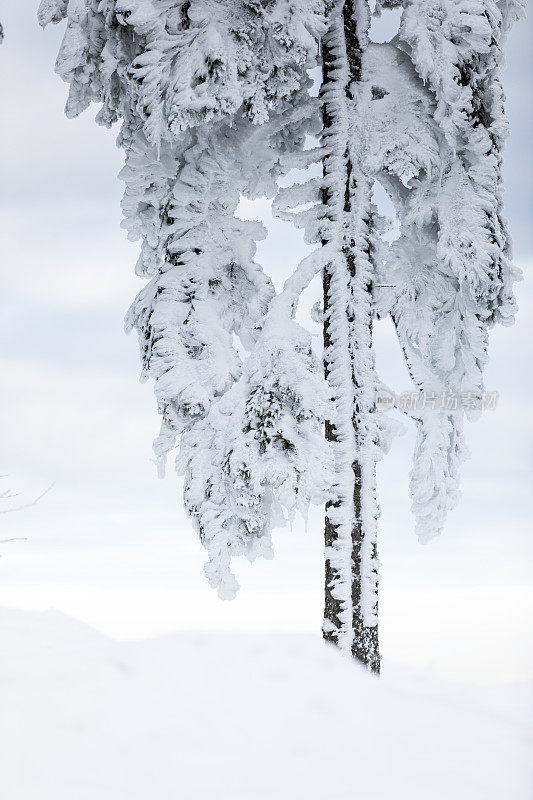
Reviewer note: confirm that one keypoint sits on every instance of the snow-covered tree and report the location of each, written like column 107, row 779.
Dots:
column 215, row 102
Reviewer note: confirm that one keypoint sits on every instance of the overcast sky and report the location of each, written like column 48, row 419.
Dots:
column 110, row 543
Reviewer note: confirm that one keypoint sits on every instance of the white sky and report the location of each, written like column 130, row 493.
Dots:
column 110, row 543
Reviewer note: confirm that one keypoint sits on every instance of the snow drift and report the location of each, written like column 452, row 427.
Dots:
column 240, row 716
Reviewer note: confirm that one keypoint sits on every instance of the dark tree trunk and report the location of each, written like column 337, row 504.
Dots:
column 350, row 612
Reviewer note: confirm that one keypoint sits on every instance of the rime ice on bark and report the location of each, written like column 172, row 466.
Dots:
column 341, row 216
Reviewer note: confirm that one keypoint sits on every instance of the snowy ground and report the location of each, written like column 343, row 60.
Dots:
column 241, row 716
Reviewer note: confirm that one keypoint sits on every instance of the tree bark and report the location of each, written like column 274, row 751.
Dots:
column 350, row 612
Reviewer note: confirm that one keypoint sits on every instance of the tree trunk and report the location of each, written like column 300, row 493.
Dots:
column 350, row 613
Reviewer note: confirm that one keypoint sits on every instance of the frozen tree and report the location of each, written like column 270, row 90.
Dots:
column 215, row 102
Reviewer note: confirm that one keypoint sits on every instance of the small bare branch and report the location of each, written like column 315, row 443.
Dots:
column 26, row 505
column 14, row 539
